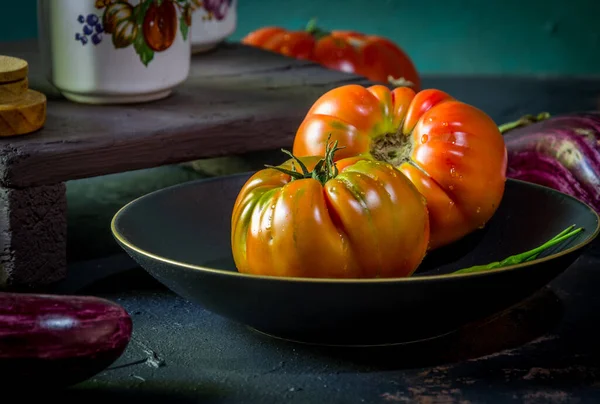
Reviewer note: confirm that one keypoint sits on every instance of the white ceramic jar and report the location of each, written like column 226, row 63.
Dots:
column 108, row 52
column 212, row 22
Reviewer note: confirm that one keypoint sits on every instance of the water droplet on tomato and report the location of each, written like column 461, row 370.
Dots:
column 453, row 172
column 451, row 187
column 424, row 139
column 332, row 189
column 481, row 226
column 478, row 209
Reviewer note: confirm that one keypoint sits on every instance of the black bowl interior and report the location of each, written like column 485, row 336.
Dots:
column 189, row 223
column 180, row 235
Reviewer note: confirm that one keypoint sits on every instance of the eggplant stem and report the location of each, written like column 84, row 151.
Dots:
column 523, row 121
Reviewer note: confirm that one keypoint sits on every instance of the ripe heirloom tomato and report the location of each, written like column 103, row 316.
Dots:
column 452, row 152
column 355, row 218
column 371, row 56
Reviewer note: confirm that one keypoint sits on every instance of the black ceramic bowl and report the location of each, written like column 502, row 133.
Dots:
column 180, row 235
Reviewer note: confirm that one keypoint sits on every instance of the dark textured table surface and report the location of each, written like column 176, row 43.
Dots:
column 544, row 351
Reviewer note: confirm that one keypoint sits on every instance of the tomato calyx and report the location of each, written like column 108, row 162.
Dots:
column 392, row 148
column 315, row 31
column 318, row 33
column 324, row 170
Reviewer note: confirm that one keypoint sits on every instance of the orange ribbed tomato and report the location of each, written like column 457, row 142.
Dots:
column 365, row 221
column 374, row 57
column 451, row 151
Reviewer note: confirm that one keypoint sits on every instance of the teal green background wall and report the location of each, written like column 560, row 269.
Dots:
column 452, row 36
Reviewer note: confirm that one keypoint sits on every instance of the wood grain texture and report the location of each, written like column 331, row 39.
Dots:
column 33, row 233
column 237, row 99
column 12, row 90
column 23, row 114
column 12, row 69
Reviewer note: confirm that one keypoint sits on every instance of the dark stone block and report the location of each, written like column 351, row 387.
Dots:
column 33, row 233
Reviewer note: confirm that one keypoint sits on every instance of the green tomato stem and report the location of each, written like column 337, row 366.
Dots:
column 324, row 170
column 525, row 256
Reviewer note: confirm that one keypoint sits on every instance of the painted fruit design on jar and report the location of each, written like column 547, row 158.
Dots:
column 214, row 9
column 150, row 26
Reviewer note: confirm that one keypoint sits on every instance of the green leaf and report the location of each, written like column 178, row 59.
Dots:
column 141, row 48
column 139, row 11
column 183, row 26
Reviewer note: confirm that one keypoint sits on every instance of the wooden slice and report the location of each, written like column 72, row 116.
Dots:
column 23, row 115
column 12, row 69
column 10, row 91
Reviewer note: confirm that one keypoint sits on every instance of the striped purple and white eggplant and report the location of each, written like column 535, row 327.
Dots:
column 58, row 339
column 560, row 152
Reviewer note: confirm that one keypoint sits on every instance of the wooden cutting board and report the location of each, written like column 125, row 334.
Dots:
column 22, row 110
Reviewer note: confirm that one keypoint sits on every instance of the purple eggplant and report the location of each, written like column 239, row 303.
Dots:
column 561, row 152
column 58, row 340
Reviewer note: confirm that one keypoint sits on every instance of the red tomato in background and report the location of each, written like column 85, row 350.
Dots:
column 371, row 56
column 296, row 44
